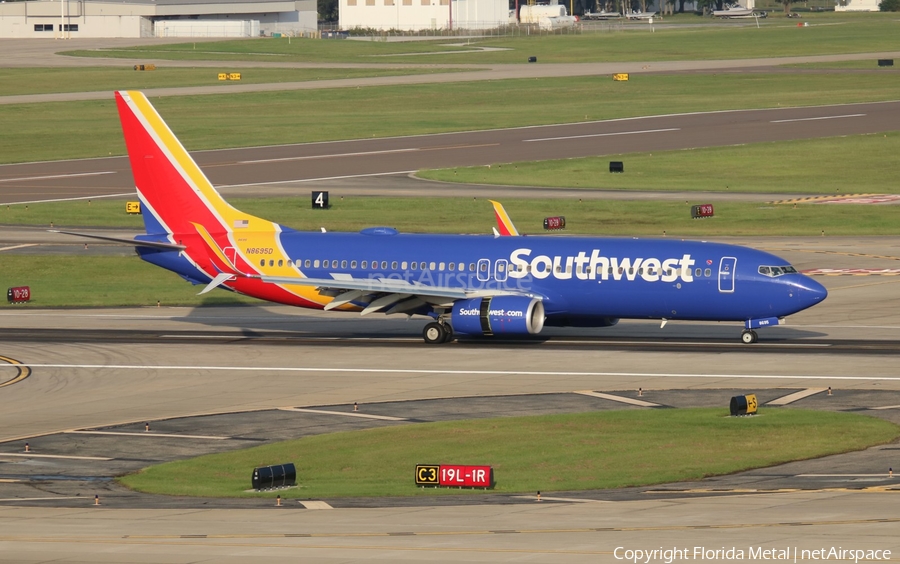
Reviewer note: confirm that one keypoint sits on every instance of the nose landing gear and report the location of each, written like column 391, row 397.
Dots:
column 749, row 336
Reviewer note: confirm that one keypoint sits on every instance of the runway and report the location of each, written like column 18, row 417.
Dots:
column 305, row 165
column 92, row 383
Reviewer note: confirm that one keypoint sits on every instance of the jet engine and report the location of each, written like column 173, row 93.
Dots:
column 498, row 315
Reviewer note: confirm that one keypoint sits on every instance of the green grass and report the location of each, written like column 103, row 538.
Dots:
column 551, row 452
column 591, row 217
column 33, row 132
column 76, row 281
column 43, row 80
column 814, row 166
column 778, row 37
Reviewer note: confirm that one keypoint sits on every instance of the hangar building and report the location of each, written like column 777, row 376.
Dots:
column 156, row 18
column 415, row 15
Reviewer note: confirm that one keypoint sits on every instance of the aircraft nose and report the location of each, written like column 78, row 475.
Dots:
column 810, row 292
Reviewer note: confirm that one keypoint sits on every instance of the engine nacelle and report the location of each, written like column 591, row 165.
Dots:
column 498, row 315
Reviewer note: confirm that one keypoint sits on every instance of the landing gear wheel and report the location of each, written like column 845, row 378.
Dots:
column 434, row 333
column 448, row 333
column 749, row 337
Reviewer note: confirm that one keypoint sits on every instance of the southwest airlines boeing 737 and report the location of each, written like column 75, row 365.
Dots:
column 505, row 284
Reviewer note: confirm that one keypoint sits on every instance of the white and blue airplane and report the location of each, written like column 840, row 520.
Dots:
column 474, row 286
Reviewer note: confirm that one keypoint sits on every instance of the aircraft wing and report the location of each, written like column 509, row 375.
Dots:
column 385, row 294
column 135, row 242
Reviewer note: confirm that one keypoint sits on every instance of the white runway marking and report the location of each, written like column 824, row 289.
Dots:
column 568, row 499
column 346, row 413
column 355, row 370
column 620, row 399
column 881, row 475
column 40, row 498
column 149, row 434
column 69, row 199
column 816, row 118
column 320, row 179
column 331, row 156
column 26, row 178
column 887, row 407
column 315, row 505
column 32, row 455
column 602, row 135
column 18, row 247
column 796, row 396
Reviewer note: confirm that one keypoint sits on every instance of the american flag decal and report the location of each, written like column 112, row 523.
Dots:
column 239, row 223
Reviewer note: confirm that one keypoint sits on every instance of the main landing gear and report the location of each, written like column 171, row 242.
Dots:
column 749, row 336
column 437, row 332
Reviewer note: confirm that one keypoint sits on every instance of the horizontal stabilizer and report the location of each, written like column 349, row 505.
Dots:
column 135, row 242
column 220, row 279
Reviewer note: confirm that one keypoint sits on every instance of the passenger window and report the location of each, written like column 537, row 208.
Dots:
column 501, row 267
column 441, row 267
column 414, row 266
column 422, row 266
column 384, row 265
column 431, row 266
column 271, row 263
column 483, row 267
column 707, row 273
column 471, row 267
column 697, row 272
column 394, row 265
column 452, row 266
column 306, row 263
column 352, row 264
column 262, row 262
column 280, row 262
column 403, row 265
column 364, row 265
column 462, row 266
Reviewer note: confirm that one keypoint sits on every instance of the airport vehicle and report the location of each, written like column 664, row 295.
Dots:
column 738, row 12
column 505, row 284
column 601, row 15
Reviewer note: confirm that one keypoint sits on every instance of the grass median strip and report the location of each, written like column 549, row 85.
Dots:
column 829, row 166
column 551, row 452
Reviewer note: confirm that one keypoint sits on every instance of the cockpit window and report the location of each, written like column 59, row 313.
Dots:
column 774, row 271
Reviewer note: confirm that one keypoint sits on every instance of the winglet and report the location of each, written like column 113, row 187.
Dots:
column 504, row 223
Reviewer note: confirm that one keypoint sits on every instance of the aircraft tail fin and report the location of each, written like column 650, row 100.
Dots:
column 504, row 223
column 173, row 190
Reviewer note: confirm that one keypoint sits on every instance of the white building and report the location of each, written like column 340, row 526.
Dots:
column 156, row 18
column 415, row 15
column 856, row 6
